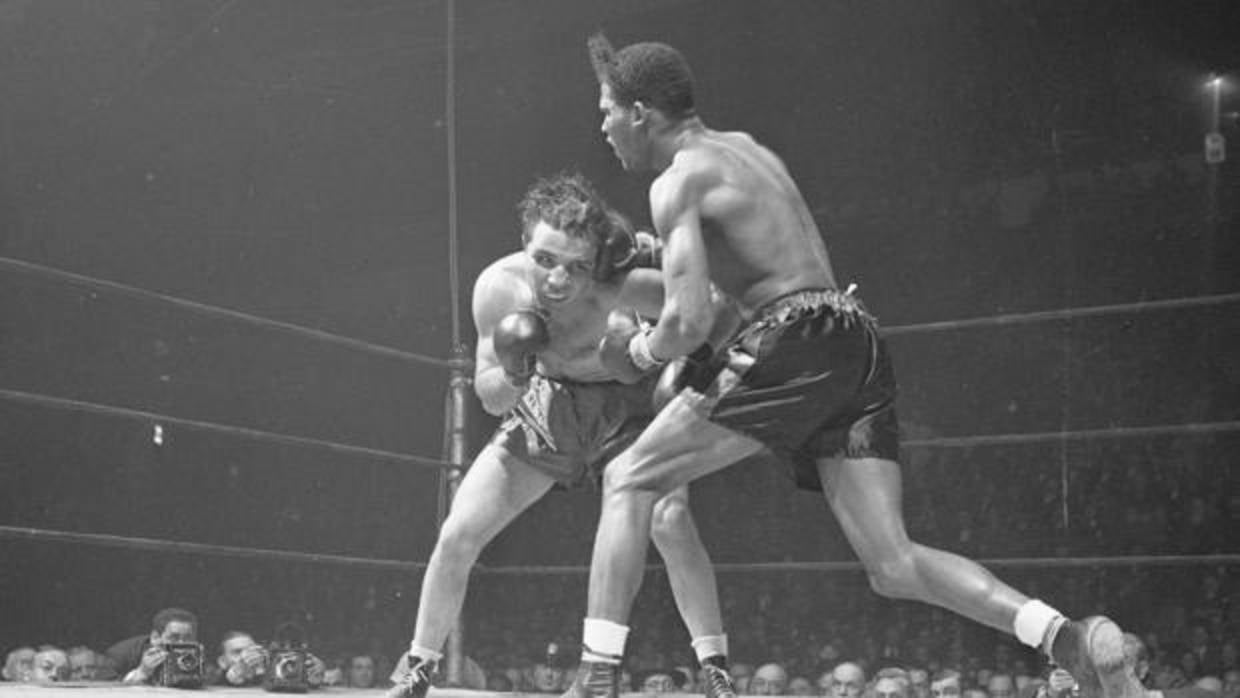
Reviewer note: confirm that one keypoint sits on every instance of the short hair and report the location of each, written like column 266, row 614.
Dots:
column 946, row 673
column 566, row 201
column 650, row 72
column 232, row 635
column 161, row 620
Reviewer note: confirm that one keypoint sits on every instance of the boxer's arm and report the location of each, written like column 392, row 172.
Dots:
column 496, row 294
column 688, row 314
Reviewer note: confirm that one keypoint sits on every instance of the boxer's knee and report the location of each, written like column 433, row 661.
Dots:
column 672, row 523
column 458, row 542
column 895, row 574
column 628, row 475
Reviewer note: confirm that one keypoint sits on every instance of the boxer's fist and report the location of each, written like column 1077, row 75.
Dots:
column 517, row 339
column 647, row 251
column 695, row 370
column 613, row 348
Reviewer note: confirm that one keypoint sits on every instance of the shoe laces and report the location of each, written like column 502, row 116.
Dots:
column 600, row 677
column 719, row 682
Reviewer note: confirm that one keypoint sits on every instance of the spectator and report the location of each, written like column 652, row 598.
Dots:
column 800, row 686
column 945, row 684
column 361, row 671
column 85, row 664
column 741, row 673
column 847, row 680
column 499, row 683
column 1001, row 685
column 657, row 681
column 892, row 687
column 138, row 658
column 19, row 665
column 1231, row 683
column 919, row 682
column 823, row 683
column 770, row 679
column 241, row 662
column 50, row 664
column 546, row 677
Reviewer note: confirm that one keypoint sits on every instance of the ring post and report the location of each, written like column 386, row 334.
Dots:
column 458, row 386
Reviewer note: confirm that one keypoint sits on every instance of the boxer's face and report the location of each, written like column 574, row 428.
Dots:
column 621, row 129
column 563, row 266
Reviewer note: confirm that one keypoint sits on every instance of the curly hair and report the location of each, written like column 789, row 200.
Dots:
column 566, row 201
column 650, row 72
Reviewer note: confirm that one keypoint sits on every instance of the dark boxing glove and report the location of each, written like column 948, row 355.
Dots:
column 614, row 349
column 696, row 370
column 624, row 249
column 517, row 339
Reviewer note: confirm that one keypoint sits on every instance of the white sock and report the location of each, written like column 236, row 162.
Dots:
column 710, row 646
column 603, row 641
column 1033, row 621
column 419, row 651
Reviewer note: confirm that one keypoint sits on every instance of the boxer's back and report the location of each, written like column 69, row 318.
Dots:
column 761, row 240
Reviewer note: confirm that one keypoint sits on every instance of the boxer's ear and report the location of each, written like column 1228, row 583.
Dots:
column 641, row 113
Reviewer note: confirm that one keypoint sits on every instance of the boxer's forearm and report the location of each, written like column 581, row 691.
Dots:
column 496, row 391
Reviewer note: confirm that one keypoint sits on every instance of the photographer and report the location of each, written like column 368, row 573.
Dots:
column 244, row 662
column 138, row 659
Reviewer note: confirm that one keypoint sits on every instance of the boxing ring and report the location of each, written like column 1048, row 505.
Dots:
column 456, row 395
column 450, row 464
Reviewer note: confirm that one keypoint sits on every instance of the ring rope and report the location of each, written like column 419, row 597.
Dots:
column 288, row 439
column 216, row 311
column 1227, row 559
column 1106, row 433
column 159, row 545
column 1062, row 314
column 173, row 546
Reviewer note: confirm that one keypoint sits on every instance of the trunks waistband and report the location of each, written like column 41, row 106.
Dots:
column 796, row 303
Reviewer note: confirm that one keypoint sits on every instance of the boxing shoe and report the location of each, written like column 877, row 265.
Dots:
column 415, row 682
column 1092, row 650
column 595, row 680
column 717, row 682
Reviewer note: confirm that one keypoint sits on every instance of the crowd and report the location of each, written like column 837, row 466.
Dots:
column 788, row 637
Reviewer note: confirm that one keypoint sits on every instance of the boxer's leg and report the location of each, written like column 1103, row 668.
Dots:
column 865, row 495
column 497, row 487
column 692, row 577
column 679, row 446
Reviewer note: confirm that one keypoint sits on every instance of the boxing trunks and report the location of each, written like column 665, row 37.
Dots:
column 570, row 430
column 809, row 377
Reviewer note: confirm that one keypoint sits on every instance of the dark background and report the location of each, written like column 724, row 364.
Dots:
column 288, row 159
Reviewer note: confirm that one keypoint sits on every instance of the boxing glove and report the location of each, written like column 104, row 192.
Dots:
column 614, row 352
column 624, row 249
column 517, row 339
column 695, row 370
